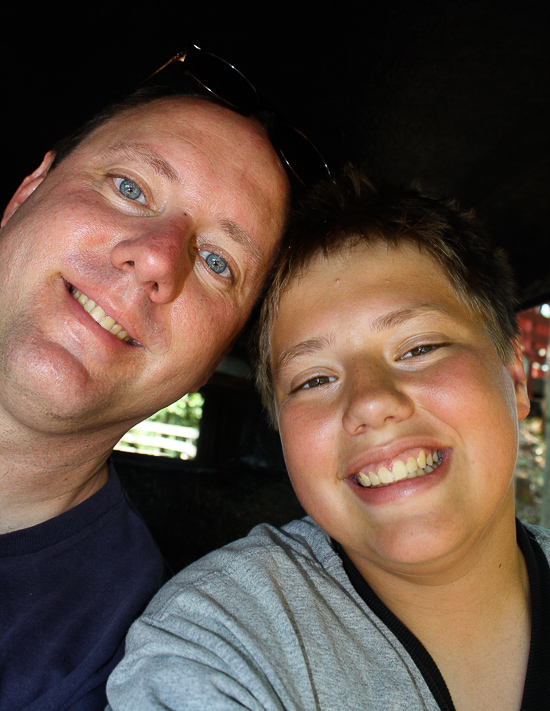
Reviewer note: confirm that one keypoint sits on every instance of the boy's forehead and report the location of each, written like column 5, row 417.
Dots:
column 376, row 256
column 374, row 251
column 387, row 285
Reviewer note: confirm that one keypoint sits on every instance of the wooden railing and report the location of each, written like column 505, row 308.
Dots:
column 161, row 439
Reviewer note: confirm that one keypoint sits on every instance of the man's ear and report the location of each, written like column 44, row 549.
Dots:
column 517, row 371
column 28, row 186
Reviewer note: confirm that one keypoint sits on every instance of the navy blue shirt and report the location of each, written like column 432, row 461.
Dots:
column 69, row 590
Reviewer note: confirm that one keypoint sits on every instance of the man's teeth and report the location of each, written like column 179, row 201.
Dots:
column 423, row 464
column 97, row 313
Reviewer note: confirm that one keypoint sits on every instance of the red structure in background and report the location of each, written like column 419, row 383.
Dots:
column 535, row 330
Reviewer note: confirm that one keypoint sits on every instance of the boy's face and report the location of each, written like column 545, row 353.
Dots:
column 376, row 365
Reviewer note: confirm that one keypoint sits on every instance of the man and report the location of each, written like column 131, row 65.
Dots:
column 129, row 265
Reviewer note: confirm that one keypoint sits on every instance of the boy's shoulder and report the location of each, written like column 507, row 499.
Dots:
column 241, row 626
column 541, row 535
column 266, row 557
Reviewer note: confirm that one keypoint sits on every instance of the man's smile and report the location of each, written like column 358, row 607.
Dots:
column 100, row 317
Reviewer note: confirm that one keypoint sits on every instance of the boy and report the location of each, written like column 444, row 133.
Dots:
column 388, row 359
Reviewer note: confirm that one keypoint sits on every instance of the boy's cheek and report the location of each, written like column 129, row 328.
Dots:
column 308, row 438
column 308, row 418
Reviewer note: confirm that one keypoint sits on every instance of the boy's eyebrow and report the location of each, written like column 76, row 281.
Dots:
column 399, row 316
column 303, row 348
column 381, row 323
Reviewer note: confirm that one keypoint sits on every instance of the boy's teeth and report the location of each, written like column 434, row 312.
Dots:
column 399, row 470
column 363, row 479
column 99, row 315
column 423, row 464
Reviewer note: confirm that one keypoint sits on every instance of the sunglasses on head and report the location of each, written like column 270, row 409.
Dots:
column 229, row 87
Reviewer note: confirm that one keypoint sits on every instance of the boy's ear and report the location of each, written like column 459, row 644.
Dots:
column 28, row 186
column 517, row 371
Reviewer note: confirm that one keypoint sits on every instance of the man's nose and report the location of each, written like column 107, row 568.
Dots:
column 375, row 399
column 157, row 260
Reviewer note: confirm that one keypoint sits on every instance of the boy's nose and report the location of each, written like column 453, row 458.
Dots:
column 375, row 400
column 157, row 260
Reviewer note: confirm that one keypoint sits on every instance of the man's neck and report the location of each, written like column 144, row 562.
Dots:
column 44, row 475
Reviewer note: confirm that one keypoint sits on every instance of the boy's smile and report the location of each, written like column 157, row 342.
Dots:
column 408, row 465
column 397, row 416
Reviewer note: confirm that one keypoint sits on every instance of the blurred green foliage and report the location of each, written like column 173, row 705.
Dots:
column 186, row 412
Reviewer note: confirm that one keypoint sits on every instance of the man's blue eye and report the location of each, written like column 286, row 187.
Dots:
column 214, row 261
column 129, row 189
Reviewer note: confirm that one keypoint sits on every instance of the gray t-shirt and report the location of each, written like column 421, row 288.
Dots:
column 268, row 623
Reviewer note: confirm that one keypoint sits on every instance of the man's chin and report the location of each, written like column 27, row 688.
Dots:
column 46, row 390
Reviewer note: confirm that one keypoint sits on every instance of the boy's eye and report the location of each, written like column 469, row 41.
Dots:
column 317, row 381
column 129, row 189
column 420, row 351
column 216, row 263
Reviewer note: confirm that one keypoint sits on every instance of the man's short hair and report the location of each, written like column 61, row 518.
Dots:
column 345, row 212
column 65, row 146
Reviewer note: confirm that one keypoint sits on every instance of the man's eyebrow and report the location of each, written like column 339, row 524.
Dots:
column 309, row 347
column 241, row 237
column 143, row 153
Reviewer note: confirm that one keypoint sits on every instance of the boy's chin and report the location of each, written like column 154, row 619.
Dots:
column 428, row 546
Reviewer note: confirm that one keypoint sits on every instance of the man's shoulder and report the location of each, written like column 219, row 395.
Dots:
column 115, row 527
column 95, row 567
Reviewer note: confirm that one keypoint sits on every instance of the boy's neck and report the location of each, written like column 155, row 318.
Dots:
column 476, row 624
column 470, row 580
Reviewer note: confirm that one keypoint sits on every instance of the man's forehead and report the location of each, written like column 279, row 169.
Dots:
column 150, row 130
column 187, row 113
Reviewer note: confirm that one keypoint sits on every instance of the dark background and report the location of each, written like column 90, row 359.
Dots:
column 454, row 93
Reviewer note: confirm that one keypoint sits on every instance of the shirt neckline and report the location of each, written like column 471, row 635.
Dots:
column 537, row 680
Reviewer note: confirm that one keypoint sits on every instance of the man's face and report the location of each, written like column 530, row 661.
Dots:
column 167, row 218
column 377, row 365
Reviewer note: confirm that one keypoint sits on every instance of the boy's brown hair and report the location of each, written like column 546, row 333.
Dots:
column 341, row 213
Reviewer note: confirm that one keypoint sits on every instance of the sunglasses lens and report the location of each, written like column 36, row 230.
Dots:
column 226, row 84
column 300, row 154
column 222, row 79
